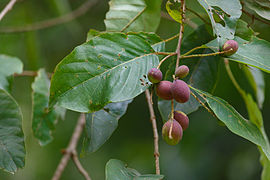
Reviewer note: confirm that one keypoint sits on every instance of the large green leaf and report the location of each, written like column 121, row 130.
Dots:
column 101, row 124
column 243, row 30
column 12, row 152
column 145, row 13
column 235, row 122
column 106, row 69
column 203, row 73
column 174, row 10
column 228, row 12
column 255, row 52
column 8, row 66
column 261, row 7
column 43, row 120
column 118, row 170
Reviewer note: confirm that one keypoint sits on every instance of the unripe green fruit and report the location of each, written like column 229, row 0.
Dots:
column 181, row 118
column 163, row 90
column 180, row 91
column 176, row 132
column 230, row 44
column 182, row 71
column 154, row 75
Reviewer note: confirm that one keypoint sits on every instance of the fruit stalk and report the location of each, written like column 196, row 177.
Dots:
column 183, row 11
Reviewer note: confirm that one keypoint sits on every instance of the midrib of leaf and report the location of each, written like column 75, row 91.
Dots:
column 108, row 70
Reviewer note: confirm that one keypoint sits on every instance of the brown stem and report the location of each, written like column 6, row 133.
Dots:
column 181, row 32
column 52, row 22
column 155, row 132
column 7, row 8
column 70, row 151
column 30, row 73
column 164, row 59
column 79, row 166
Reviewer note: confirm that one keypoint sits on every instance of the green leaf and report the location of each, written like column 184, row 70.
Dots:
column 174, row 10
column 261, row 7
column 8, row 66
column 266, row 166
column 106, row 69
column 235, row 122
column 12, row 152
column 228, row 11
column 255, row 52
column 154, row 40
column 118, row 170
column 142, row 15
column 101, row 124
column 43, row 120
column 92, row 33
column 203, row 73
column 243, row 30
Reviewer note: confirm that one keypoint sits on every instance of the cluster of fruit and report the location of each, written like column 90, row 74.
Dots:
column 178, row 90
column 172, row 130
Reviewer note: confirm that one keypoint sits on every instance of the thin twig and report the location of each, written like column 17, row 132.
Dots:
column 30, row 74
column 181, row 32
column 51, row 22
column 79, row 166
column 69, row 151
column 172, row 38
column 165, row 53
column 133, row 19
column 204, row 55
column 194, row 49
column 164, row 59
column 7, row 8
column 197, row 99
column 155, row 132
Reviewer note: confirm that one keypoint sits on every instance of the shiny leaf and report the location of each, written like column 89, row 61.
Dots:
column 261, row 7
column 8, row 66
column 43, row 120
column 142, row 15
column 12, row 152
column 235, row 122
column 101, row 124
column 118, row 170
column 106, row 69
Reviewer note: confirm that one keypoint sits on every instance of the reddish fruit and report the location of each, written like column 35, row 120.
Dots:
column 182, row 71
column 180, row 91
column 163, row 90
column 176, row 134
column 181, row 118
column 154, row 75
column 230, row 44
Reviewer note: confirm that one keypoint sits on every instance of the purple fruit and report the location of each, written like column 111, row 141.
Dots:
column 182, row 119
column 180, row 91
column 182, row 71
column 176, row 134
column 230, row 44
column 163, row 90
column 154, row 75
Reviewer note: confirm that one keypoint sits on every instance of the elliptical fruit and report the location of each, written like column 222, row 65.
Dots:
column 176, row 134
column 230, row 44
column 163, row 90
column 182, row 119
column 182, row 71
column 180, row 91
column 154, row 75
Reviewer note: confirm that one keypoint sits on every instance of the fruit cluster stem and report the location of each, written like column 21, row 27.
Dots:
column 155, row 132
column 181, row 32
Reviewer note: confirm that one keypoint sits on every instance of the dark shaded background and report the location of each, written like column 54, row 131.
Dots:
column 208, row 151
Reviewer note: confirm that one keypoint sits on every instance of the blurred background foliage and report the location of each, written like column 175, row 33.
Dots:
column 208, row 150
